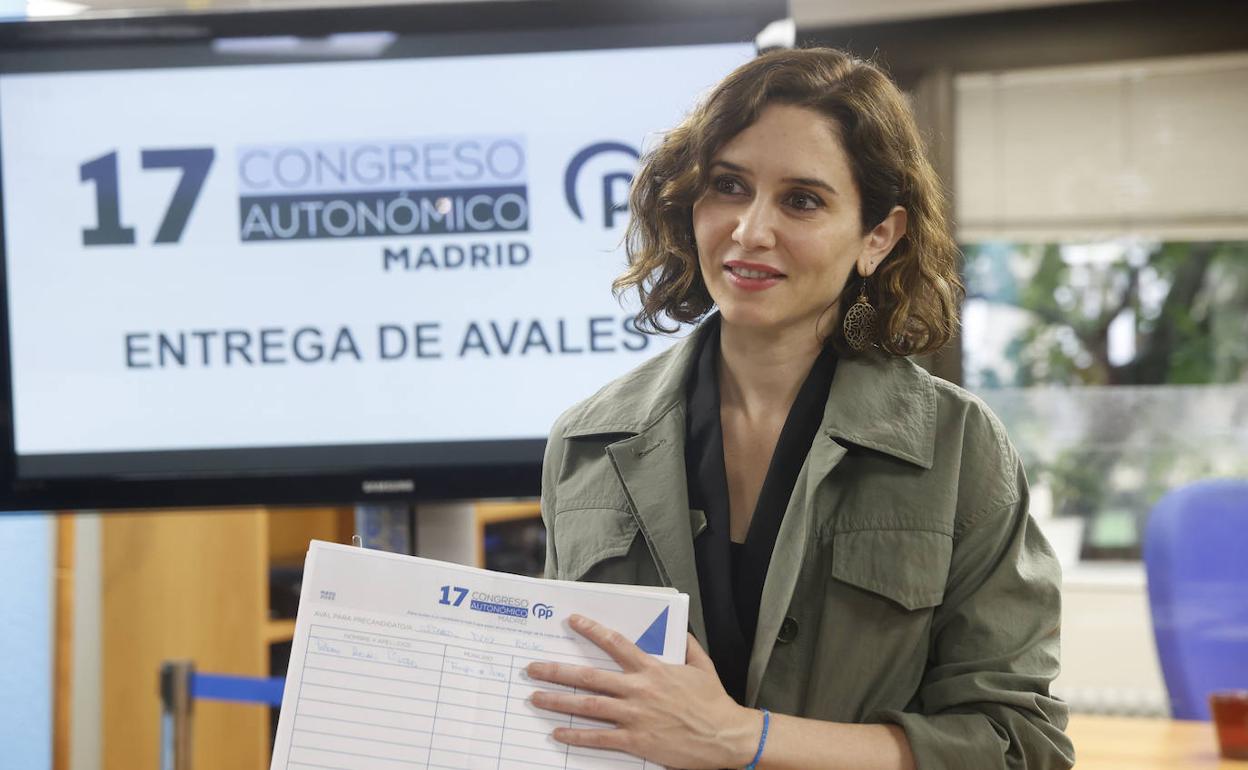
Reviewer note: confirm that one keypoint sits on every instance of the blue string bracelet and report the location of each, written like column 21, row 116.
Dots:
column 762, row 741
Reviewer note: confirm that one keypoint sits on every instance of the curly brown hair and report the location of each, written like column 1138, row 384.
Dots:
column 916, row 290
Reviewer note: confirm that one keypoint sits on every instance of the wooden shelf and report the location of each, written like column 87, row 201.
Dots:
column 492, row 513
column 277, row 631
column 485, row 514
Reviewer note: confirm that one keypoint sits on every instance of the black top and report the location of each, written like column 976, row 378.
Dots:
column 731, row 575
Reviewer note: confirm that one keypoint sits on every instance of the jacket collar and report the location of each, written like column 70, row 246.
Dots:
column 639, row 399
column 883, row 403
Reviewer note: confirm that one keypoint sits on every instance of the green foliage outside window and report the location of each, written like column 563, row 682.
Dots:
column 1120, row 369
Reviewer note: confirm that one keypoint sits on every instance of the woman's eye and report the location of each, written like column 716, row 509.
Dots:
column 804, row 201
column 727, row 185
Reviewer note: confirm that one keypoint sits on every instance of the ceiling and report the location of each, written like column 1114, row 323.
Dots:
column 809, row 14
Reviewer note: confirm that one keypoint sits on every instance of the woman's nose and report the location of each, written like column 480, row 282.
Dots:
column 754, row 227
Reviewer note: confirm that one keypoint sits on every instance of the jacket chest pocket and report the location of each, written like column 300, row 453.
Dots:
column 868, row 615
column 593, row 544
column 907, row 567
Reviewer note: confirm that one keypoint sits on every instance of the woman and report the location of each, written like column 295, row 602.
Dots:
column 852, row 532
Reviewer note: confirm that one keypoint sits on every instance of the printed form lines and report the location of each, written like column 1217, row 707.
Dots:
column 372, row 662
column 374, row 692
column 503, row 682
column 355, row 706
column 365, row 724
column 352, row 737
column 413, row 763
column 434, row 701
column 441, row 718
column 511, row 649
column 427, row 705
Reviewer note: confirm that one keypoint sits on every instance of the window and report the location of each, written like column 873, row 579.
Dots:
column 1105, row 227
column 1120, row 369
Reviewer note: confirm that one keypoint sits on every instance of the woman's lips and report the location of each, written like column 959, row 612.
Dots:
column 752, row 276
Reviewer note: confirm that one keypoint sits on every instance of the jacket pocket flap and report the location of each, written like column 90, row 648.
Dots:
column 586, row 536
column 909, row 567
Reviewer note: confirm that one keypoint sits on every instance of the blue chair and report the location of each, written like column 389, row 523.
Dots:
column 1196, row 556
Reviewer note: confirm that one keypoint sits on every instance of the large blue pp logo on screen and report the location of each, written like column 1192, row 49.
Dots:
column 614, row 185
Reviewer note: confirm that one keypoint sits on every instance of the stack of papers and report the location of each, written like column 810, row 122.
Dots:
column 403, row 662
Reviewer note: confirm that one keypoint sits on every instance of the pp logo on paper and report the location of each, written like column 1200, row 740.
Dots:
column 543, row 611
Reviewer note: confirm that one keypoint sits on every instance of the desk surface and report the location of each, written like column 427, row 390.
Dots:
column 1125, row 743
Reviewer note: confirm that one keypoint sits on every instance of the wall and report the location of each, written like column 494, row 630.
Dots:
column 26, row 633
column 1148, row 147
column 85, row 739
column 1109, row 660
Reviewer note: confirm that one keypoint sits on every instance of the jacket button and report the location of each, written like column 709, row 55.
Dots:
column 788, row 631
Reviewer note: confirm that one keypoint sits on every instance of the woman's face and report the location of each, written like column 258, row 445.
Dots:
column 778, row 229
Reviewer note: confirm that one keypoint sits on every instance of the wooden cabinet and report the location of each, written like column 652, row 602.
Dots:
column 194, row 584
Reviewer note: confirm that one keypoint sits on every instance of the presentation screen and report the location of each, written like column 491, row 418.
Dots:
column 276, row 268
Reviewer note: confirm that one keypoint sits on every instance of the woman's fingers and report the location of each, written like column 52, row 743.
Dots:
column 595, row 738
column 579, row 677
column 695, row 656
column 597, row 707
column 619, row 647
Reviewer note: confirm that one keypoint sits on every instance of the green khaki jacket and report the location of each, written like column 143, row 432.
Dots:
column 908, row 585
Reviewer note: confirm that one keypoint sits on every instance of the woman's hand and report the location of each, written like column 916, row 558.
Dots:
column 677, row 716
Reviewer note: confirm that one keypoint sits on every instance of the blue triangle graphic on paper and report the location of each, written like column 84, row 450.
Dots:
column 652, row 638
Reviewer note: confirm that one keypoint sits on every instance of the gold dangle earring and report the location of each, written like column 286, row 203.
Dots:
column 858, row 326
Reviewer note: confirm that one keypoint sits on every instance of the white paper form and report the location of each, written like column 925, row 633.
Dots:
column 400, row 663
